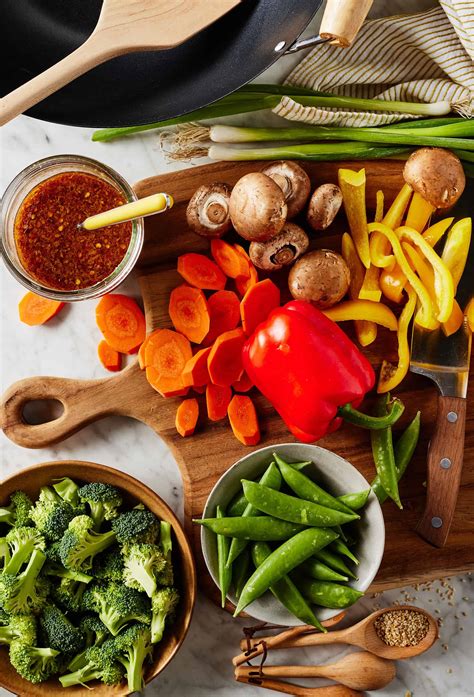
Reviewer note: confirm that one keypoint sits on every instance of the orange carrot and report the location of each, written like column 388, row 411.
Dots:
column 257, row 304
column 244, row 384
column 186, row 417
column 228, row 259
column 195, row 371
column 245, row 259
column 189, row 312
column 141, row 354
column 217, row 401
column 166, row 354
column 243, row 419
column 224, row 310
column 34, row 309
column 244, row 283
column 109, row 357
column 225, row 359
column 167, row 387
column 201, row 272
column 121, row 322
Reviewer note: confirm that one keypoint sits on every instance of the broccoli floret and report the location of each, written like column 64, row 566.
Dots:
column 52, row 568
column 17, row 513
column 51, row 514
column 80, row 543
column 117, row 605
column 99, row 665
column 108, row 566
column 166, row 577
column 137, row 525
column 142, row 564
column 67, row 490
column 22, row 541
column 60, row 632
column 68, row 594
column 163, row 605
column 32, row 663
column 134, row 647
column 95, row 633
column 24, row 593
column 52, row 552
column 21, row 627
column 103, row 501
column 4, row 553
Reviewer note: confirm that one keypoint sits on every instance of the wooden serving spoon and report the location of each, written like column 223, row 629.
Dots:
column 359, row 671
column 289, row 688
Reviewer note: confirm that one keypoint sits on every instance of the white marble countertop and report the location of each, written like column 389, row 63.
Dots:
column 66, row 346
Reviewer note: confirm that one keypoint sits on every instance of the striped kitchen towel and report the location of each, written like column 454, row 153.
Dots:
column 426, row 57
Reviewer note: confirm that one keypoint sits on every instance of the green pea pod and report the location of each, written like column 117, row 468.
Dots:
column 290, row 508
column 384, row 457
column 321, row 572
column 271, row 478
column 327, row 594
column 296, row 465
column 335, row 562
column 355, row 501
column 339, row 547
column 256, row 528
column 281, row 561
column 285, row 590
column 241, row 572
column 403, row 451
column 238, row 504
column 225, row 573
column 305, row 488
column 392, row 413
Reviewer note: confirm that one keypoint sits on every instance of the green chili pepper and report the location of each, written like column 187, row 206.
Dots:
column 284, row 559
column 290, row 508
column 327, row 594
column 339, row 547
column 257, row 528
column 403, row 451
column 238, row 504
column 271, row 478
column 285, row 590
column 240, row 571
column 377, row 422
column 335, row 562
column 321, row 572
column 355, row 501
column 384, row 457
column 225, row 573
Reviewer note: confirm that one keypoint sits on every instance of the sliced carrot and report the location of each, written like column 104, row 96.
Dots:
column 243, row 419
column 167, row 387
column 225, row 359
column 34, row 309
column 189, row 312
column 195, row 371
column 228, row 259
column 201, row 272
column 244, row 384
column 224, row 310
column 257, row 304
column 141, row 354
column 217, row 401
column 245, row 260
column 187, row 415
column 166, row 354
column 109, row 357
column 250, row 277
column 121, row 322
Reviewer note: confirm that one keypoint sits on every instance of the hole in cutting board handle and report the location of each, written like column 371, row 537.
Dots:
column 41, row 411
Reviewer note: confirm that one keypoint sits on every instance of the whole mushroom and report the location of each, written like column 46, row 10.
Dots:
column 281, row 250
column 437, row 175
column 293, row 181
column 208, row 210
column 323, row 206
column 321, row 277
column 257, row 207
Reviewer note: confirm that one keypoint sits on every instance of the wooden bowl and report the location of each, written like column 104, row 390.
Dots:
column 30, row 480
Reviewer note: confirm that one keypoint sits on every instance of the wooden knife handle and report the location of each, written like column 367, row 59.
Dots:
column 445, row 458
column 342, row 20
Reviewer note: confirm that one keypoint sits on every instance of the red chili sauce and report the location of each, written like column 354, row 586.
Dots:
column 52, row 249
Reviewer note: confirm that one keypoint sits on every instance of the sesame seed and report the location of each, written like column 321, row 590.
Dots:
column 402, row 627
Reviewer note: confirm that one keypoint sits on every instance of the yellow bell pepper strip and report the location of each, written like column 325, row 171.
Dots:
column 392, row 284
column 391, row 375
column 425, row 316
column 352, row 185
column 363, row 309
column 455, row 320
column 379, row 206
column 424, row 270
column 456, row 248
column 366, row 332
column 469, row 313
column 379, row 246
column 419, row 213
column 370, row 289
column 434, row 233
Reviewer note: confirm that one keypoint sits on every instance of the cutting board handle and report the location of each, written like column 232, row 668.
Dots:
column 445, row 459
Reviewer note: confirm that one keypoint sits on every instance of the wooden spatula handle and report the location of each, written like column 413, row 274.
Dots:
column 288, row 688
column 342, row 20
column 445, row 458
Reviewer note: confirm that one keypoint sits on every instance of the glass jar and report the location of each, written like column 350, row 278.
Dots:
column 16, row 193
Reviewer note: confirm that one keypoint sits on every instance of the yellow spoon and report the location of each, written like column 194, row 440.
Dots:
column 150, row 205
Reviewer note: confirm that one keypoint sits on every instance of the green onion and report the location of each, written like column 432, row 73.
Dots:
column 426, row 109
column 315, row 151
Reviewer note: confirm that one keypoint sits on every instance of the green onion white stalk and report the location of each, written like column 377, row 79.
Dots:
column 313, row 151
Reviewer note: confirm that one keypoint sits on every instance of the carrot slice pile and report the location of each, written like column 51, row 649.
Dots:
column 243, row 419
column 201, row 272
column 225, row 359
column 121, row 322
column 257, row 304
column 187, row 415
column 244, row 384
column 189, row 312
column 166, row 354
column 224, row 311
column 195, row 373
column 34, row 309
column 228, row 259
column 217, row 401
column 109, row 357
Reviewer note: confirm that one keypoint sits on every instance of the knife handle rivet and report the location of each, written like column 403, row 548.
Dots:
column 452, row 417
column 436, row 522
column 445, row 463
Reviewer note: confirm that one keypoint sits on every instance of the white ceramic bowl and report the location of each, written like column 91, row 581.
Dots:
column 333, row 473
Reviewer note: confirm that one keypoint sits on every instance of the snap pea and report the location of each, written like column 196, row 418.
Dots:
column 340, row 531
column 285, row 590
column 292, row 509
column 257, row 528
column 299, row 465
column 339, row 547
column 327, row 594
column 271, row 478
column 384, row 457
column 355, row 501
column 240, row 572
column 320, row 572
column 282, row 560
column 335, row 562
column 403, row 451
column 225, row 573
column 373, row 423
column 238, row 504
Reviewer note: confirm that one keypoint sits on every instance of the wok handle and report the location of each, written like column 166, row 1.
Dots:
column 342, row 20
column 445, row 459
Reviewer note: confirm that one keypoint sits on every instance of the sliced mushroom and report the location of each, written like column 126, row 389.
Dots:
column 321, row 277
column 257, row 207
column 208, row 210
column 293, row 181
column 437, row 175
column 281, row 250
column 323, row 206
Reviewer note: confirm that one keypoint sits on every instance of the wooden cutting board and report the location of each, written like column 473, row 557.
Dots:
column 213, row 448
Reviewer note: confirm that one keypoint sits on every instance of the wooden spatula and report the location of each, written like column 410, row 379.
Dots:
column 124, row 26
